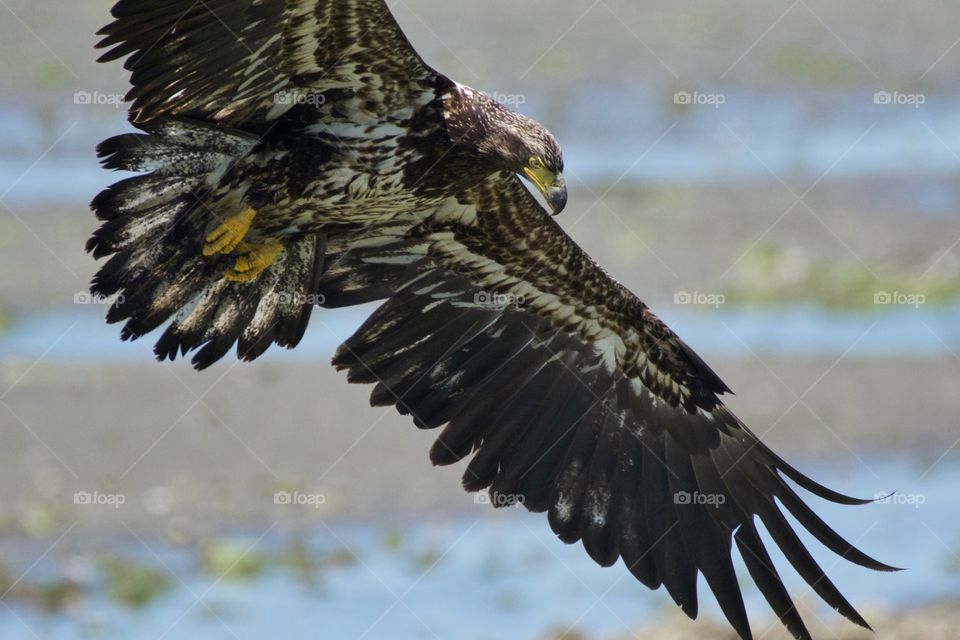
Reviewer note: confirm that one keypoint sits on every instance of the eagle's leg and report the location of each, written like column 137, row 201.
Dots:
column 252, row 260
column 229, row 235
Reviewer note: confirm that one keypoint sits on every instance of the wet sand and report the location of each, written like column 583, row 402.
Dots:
column 936, row 622
column 222, row 442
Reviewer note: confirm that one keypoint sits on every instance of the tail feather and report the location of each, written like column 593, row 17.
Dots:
column 153, row 229
column 275, row 309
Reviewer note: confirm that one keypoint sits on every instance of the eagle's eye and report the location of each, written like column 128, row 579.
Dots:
column 536, row 162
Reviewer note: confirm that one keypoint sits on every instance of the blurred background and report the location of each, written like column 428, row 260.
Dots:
column 778, row 180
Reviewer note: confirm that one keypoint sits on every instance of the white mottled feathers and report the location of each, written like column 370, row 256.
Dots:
column 249, row 61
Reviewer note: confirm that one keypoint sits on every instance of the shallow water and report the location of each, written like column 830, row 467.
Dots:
column 498, row 574
column 79, row 334
column 643, row 137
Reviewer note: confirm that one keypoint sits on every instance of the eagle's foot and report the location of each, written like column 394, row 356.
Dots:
column 252, row 260
column 226, row 237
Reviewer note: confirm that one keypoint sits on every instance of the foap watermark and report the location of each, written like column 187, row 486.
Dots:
column 299, row 499
column 499, row 499
column 294, row 97
column 698, row 99
column 96, row 98
column 706, row 499
column 897, row 98
column 899, row 298
column 498, row 301
column 699, row 298
column 299, row 298
column 909, row 499
column 85, row 297
column 97, row 499
column 509, row 99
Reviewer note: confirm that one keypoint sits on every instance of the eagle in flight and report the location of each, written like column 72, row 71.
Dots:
column 299, row 153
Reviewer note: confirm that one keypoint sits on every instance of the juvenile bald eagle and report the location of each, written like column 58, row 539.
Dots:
column 300, row 152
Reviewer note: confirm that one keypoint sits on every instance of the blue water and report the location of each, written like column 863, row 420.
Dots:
column 79, row 334
column 503, row 574
column 643, row 137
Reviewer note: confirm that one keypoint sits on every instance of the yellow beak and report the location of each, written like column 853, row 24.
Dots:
column 551, row 185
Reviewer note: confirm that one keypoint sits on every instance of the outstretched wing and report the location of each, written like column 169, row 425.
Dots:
column 246, row 62
column 575, row 400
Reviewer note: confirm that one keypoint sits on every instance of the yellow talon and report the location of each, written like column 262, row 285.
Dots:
column 252, row 260
column 228, row 235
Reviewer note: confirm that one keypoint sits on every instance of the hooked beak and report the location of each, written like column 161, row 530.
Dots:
column 552, row 186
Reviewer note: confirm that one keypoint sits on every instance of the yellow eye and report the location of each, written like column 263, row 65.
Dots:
column 536, row 162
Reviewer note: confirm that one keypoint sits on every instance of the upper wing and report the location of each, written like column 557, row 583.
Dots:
column 249, row 61
column 576, row 400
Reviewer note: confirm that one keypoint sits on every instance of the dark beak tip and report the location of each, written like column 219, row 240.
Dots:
column 558, row 200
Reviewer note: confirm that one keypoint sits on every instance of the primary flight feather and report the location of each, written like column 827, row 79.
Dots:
column 300, row 153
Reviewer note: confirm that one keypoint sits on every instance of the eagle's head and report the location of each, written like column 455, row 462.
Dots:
column 532, row 152
column 508, row 141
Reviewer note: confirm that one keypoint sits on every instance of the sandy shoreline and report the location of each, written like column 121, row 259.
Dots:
column 219, row 444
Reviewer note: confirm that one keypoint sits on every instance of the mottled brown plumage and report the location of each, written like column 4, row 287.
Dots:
column 308, row 138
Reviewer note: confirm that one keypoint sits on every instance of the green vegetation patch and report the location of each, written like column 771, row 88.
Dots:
column 133, row 585
column 770, row 275
column 800, row 62
column 232, row 560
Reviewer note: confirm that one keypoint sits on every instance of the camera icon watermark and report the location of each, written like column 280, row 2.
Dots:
column 699, row 298
column 910, row 499
column 697, row 498
column 897, row 98
column 899, row 298
column 509, row 99
column 292, row 98
column 301, row 299
column 96, row 499
column 299, row 499
column 698, row 99
column 85, row 297
column 499, row 500
column 96, row 98
column 498, row 301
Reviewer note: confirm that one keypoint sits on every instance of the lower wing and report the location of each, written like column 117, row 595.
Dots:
column 575, row 400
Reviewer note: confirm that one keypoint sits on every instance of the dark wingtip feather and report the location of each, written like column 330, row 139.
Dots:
column 212, row 351
column 250, row 350
column 823, row 532
column 342, row 358
column 167, row 347
column 820, row 490
column 442, row 455
column 760, row 567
